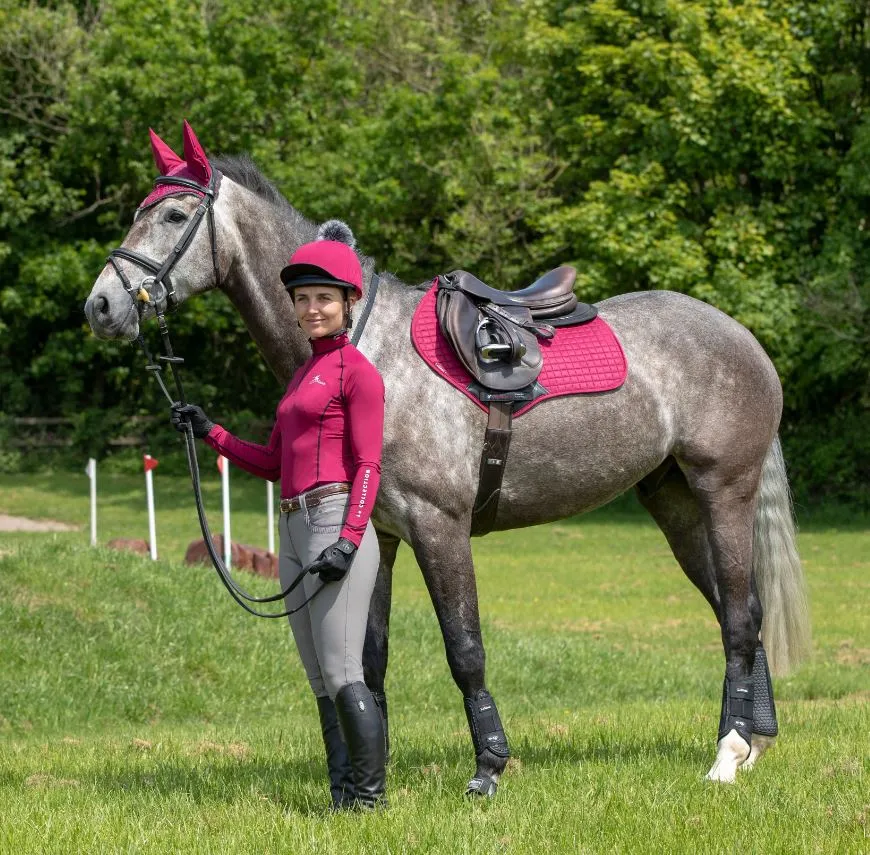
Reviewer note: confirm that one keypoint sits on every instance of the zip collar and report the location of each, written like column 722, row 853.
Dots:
column 329, row 342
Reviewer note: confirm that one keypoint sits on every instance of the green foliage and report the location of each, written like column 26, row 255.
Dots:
column 705, row 146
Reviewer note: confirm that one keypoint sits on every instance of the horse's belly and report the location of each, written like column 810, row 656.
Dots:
column 576, row 454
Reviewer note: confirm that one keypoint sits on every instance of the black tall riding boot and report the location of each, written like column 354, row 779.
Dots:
column 363, row 731
column 337, row 759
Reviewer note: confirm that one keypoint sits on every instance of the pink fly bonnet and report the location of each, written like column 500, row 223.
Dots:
column 194, row 167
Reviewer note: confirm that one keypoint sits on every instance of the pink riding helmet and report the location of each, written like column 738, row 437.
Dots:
column 328, row 260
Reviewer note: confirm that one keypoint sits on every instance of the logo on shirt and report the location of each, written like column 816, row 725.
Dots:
column 365, row 489
column 316, row 379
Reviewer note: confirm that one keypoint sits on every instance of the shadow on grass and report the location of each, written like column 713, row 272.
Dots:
column 537, row 755
column 629, row 750
column 300, row 786
column 295, row 786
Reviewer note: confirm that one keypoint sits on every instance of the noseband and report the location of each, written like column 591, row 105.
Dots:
column 165, row 299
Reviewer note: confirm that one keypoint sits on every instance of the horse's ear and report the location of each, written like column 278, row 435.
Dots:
column 197, row 162
column 165, row 158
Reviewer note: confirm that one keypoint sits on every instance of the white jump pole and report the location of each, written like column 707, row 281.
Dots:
column 150, row 465
column 270, row 515
column 91, row 471
column 224, row 466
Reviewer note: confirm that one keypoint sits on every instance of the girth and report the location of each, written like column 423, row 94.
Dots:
column 493, row 458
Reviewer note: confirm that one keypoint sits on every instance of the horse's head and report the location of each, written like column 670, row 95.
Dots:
column 169, row 254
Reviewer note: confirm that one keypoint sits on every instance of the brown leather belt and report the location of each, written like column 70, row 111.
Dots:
column 313, row 497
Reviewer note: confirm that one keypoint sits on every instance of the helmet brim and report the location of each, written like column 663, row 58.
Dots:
column 310, row 274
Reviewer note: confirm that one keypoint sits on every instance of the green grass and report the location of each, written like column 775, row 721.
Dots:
column 142, row 711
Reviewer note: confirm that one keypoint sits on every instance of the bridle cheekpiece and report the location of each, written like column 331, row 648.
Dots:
column 157, row 290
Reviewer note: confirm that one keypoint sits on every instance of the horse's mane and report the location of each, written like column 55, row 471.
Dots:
column 242, row 169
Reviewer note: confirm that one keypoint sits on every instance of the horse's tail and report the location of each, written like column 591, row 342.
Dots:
column 785, row 628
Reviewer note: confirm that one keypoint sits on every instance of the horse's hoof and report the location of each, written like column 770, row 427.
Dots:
column 732, row 754
column 482, row 786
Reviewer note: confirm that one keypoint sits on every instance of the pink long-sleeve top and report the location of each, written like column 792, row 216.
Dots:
column 329, row 427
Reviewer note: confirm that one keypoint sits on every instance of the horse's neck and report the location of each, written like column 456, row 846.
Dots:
column 265, row 238
column 386, row 340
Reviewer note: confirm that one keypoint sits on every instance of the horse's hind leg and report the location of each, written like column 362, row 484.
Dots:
column 443, row 551
column 727, row 502
column 671, row 503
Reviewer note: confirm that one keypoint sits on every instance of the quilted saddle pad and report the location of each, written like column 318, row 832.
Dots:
column 577, row 360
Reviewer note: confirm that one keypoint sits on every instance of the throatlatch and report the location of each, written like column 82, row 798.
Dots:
column 737, row 709
column 485, row 725
column 764, row 709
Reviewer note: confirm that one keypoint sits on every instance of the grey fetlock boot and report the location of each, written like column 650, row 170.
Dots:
column 363, row 730
column 337, row 758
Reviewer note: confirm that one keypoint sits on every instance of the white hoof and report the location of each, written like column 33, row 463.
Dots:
column 760, row 744
column 733, row 753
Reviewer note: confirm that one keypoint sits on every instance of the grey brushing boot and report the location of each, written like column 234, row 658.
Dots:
column 363, row 730
column 337, row 759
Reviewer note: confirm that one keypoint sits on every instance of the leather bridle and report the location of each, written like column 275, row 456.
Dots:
column 141, row 296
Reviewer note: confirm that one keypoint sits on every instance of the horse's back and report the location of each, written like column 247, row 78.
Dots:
column 665, row 331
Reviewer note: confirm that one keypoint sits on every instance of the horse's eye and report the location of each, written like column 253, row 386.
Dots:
column 176, row 216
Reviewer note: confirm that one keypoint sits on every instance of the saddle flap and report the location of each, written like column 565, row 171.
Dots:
column 470, row 332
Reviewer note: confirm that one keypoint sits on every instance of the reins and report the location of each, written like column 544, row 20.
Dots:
column 166, row 301
column 239, row 594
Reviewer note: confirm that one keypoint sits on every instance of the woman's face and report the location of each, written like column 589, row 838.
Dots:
column 320, row 309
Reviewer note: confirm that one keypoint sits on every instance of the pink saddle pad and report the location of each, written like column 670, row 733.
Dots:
column 577, row 361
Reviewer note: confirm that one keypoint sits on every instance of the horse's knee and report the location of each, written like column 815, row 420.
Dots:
column 467, row 660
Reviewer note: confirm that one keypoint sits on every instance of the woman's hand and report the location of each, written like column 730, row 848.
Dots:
column 333, row 563
column 200, row 423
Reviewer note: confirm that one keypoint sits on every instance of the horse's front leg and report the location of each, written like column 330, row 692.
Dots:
column 376, row 648
column 443, row 551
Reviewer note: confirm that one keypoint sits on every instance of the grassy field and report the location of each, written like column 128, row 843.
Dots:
column 142, row 711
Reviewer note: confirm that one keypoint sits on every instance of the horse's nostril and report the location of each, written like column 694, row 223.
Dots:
column 102, row 305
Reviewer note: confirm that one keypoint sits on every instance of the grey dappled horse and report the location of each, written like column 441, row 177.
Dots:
column 693, row 429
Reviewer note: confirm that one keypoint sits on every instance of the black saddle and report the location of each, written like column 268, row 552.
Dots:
column 495, row 333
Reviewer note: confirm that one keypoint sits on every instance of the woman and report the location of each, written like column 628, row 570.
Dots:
column 326, row 449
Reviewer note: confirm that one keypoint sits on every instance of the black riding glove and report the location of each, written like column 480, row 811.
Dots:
column 333, row 563
column 184, row 413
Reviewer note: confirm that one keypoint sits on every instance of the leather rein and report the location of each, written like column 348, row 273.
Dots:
column 158, row 292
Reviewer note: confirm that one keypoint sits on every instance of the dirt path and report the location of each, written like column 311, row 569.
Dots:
column 9, row 523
